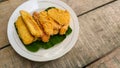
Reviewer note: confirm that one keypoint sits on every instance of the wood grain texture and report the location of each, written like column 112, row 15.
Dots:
column 7, row 7
column 81, row 6
column 99, row 34
column 110, row 61
column 10, row 59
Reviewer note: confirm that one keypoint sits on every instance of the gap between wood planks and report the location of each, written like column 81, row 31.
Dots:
column 100, row 58
column 96, row 8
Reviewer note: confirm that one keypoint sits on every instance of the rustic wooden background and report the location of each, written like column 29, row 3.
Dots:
column 98, row 45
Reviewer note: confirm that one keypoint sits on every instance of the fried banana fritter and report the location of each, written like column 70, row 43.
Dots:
column 46, row 23
column 55, row 31
column 23, row 32
column 61, row 16
column 63, row 29
column 31, row 24
column 56, row 25
column 36, row 18
column 45, row 37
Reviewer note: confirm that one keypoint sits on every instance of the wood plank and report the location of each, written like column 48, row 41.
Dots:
column 99, row 34
column 10, row 59
column 81, row 6
column 7, row 7
column 109, row 61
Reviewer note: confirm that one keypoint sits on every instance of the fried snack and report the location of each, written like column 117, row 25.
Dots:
column 63, row 29
column 55, row 31
column 56, row 25
column 23, row 32
column 61, row 16
column 46, row 23
column 45, row 37
column 36, row 18
column 31, row 24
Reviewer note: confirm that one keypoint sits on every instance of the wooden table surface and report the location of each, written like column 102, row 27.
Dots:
column 98, row 45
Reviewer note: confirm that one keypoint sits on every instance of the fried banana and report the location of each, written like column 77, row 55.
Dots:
column 46, row 23
column 36, row 18
column 23, row 32
column 45, row 37
column 31, row 24
column 61, row 16
column 56, row 25
column 63, row 29
column 55, row 31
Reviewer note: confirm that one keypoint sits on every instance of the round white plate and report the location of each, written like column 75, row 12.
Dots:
column 43, row 54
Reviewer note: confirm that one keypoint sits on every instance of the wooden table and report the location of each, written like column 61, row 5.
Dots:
column 97, row 46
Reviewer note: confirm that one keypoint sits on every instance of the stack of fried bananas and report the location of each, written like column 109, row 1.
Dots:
column 42, row 24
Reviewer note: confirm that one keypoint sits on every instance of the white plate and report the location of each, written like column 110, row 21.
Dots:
column 43, row 54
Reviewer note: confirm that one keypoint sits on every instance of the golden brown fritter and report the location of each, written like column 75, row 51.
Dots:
column 63, row 29
column 31, row 24
column 56, row 25
column 45, row 37
column 36, row 18
column 61, row 16
column 46, row 23
column 55, row 31
column 23, row 32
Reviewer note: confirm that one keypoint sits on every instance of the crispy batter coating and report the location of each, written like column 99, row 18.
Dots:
column 55, row 31
column 61, row 16
column 45, row 37
column 23, row 32
column 36, row 18
column 46, row 23
column 56, row 25
column 31, row 24
column 63, row 29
